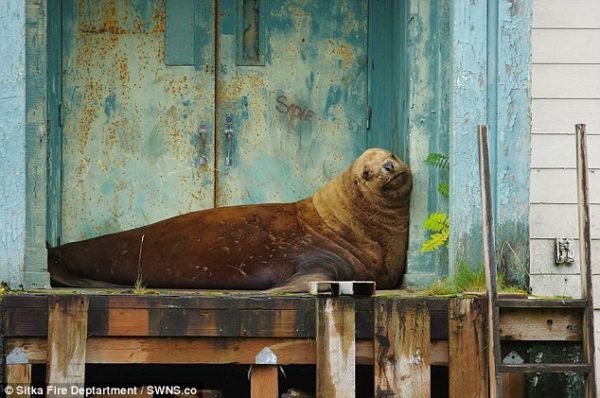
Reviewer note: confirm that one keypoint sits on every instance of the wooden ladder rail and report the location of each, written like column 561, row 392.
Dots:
column 489, row 260
column 585, row 263
column 494, row 361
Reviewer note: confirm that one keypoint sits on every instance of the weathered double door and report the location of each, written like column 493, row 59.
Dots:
column 171, row 106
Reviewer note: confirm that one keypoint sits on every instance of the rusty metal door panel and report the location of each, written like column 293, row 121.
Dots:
column 292, row 75
column 131, row 140
column 299, row 111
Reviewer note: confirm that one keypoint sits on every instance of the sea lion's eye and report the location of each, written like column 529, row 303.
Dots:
column 366, row 174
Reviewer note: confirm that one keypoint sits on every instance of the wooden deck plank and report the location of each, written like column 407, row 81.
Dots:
column 257, row 317
column 282, row 323
column 67, row 333
column 467, row 365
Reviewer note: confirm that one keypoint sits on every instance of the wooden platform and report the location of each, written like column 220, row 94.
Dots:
column 400, row 336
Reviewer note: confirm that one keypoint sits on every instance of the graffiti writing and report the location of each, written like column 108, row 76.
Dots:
column 293, row 111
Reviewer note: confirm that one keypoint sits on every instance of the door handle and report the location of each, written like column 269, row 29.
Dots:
column 229, row 136
column 203, row 134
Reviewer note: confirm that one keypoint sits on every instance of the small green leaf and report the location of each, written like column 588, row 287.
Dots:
column 438, row 160
column 436, row 222
column 437, row 240
column 444, row 189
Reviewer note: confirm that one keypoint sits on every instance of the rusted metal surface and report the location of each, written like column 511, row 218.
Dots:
column 134, row 149
column 131, row 124
column 301, row 118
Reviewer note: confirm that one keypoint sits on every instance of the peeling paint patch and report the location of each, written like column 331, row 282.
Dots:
column 110, row 105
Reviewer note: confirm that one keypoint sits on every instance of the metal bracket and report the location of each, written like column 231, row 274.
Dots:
column 17, row 356
column 266, row 357
column 513, row 358
column 564, row 251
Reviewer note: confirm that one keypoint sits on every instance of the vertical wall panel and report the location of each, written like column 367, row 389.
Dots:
column 469, row 98
column 513, row 139
column 35, row 274
column 428, row 72
column 491, row 85
column 12, row 141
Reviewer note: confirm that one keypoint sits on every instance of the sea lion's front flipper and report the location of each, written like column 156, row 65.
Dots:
column 298, row 283
column 315, row 265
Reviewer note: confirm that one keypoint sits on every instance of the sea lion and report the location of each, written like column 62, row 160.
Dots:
column 354, row 228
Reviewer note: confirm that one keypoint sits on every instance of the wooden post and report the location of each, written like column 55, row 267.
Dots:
column 336, row 347
column 466, row 349
column 264, row 381
column 587, row 292
column 513, row 385
column 489, row 261
column 18, row 374
column 67, row 332
column 402, row 342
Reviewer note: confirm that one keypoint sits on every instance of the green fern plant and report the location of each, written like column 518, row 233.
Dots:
column 439, row 160
column 437, row 223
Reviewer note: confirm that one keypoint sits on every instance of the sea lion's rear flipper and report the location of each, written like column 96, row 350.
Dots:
column 60, row 276
column 317, row 265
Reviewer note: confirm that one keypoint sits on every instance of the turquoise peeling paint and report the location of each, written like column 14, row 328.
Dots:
column 491, row 84
column 35, row 274
column 12, row 141
column 469, row 97
column 513, row 140
column 428, row 69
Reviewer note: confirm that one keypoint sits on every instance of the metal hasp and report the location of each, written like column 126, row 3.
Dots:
column 203, row 134
column 229, row 136
column 564, row 251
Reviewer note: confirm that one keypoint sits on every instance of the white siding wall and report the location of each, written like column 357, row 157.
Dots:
column 565, row 91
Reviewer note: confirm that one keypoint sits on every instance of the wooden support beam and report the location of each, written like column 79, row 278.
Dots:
column 264, row 381
column 205, row 350
column 18, row 375
column 466, row 349
column 67, row 333
column 336, row 347
column 513, row 385
column 402, row 350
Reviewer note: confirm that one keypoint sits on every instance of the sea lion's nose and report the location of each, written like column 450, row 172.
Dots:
column 389, row 166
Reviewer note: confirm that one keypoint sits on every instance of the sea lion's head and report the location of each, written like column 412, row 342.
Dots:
column 382, row 177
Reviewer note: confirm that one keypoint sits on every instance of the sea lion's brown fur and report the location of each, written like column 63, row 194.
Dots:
column 354, row 227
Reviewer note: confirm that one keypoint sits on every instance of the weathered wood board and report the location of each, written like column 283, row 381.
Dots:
column 402, row 350
column 67, row 334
